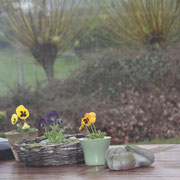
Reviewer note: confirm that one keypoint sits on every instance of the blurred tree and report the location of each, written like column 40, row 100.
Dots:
column 44, row 27
column 93, row 40
column 151, row 23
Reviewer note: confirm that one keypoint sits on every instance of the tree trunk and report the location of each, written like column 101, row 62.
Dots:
column 45, row 54
column 48, row 66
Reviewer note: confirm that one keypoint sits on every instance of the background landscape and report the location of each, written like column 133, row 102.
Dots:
column 120, row 59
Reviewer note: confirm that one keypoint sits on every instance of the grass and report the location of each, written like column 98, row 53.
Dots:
column 9, row 69
column 161, row 141
column 158, row 141
column 2, row 135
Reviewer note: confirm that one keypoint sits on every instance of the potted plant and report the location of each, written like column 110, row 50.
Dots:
column 54, row 148
column 96, row 143
column 23, row 131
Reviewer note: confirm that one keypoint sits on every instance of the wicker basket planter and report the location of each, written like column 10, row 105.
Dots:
column 32, row 153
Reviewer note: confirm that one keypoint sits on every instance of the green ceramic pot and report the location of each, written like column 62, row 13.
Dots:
column 94, row 150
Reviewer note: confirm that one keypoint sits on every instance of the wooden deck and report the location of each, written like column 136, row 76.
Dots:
column 165, row 167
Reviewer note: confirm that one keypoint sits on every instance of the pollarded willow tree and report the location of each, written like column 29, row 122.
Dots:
column 142, row 22
column 45, row 27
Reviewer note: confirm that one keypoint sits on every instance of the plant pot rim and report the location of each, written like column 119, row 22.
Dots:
column 99, row 139
column 30, row 142
column 14, row 133
column 43, row 145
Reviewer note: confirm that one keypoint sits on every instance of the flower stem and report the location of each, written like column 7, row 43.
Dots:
column 95, row 128
column 87, row 130
column 92, row 130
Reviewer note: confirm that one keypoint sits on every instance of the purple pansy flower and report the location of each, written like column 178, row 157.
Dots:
column 52, row 117
column 42, row 123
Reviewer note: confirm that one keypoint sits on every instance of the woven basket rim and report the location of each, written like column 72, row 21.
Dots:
column 14, row 133
column 31, row 143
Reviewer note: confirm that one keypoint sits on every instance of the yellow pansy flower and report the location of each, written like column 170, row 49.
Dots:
column 22, row 112
column 14, row 119
column 84, row 122
column 25, row 126
column 92, row 117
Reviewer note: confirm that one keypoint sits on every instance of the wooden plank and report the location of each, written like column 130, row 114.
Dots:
column 165, row 167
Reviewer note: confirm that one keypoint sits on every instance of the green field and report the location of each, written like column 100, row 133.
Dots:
column 9, row 68
column 162, row 141
column 158, row 141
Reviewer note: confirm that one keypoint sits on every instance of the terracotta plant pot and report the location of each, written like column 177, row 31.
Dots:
column 14, row 137
column 94, row 150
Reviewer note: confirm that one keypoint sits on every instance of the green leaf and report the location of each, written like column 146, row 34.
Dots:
column 76, row 43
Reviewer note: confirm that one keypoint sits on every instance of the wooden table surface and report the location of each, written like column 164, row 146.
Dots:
column 165, row 167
